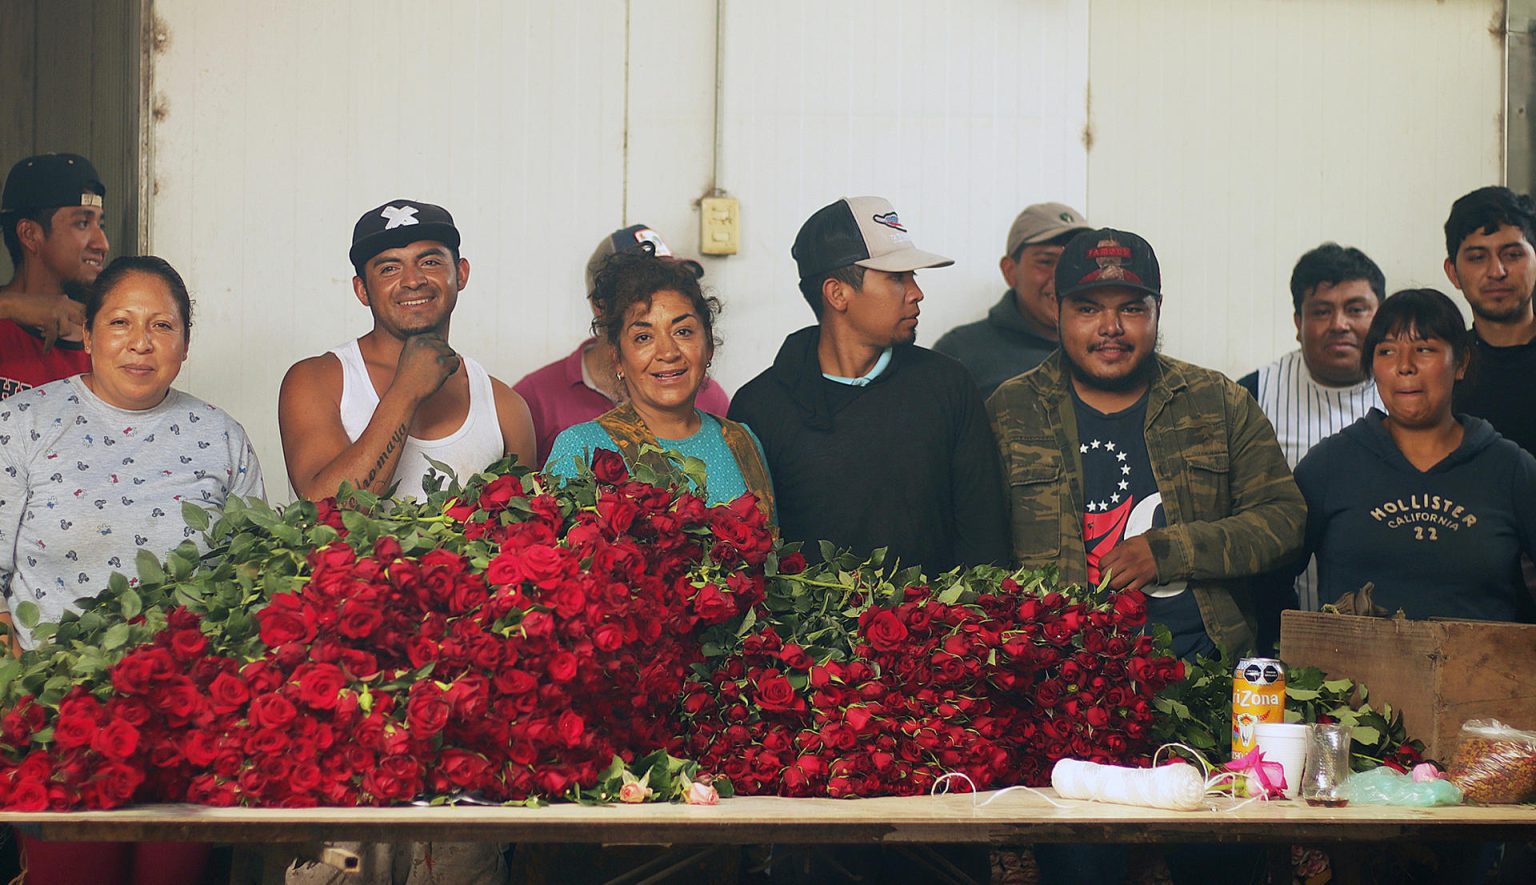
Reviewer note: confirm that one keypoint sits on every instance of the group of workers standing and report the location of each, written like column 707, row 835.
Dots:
column 1391, row 448
column 1052, row 432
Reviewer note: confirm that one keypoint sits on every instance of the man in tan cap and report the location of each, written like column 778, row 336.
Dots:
column 581, row 386
column 871, row 440
column 1020, row 330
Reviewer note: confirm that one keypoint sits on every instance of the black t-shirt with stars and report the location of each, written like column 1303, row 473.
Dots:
column 1121, row 500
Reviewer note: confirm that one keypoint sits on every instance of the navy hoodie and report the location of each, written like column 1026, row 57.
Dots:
column 907, row 463
column 1444, row 542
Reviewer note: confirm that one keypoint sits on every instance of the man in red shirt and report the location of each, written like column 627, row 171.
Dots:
column 51, row 218
column 582, row 386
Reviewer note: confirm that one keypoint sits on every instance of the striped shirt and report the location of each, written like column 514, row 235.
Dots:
column 1305, row 413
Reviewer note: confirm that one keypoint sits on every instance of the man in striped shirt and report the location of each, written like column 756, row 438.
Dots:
column 1322, row 387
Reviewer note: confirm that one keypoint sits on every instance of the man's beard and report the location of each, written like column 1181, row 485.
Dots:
column 1140, row 374
column 1515, row 311
column 426, row 329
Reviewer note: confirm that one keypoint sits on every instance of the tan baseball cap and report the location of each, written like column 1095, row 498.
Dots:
column 858, row 230
column 1043, row 222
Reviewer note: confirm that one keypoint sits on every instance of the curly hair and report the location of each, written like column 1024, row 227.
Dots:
column 633, row 277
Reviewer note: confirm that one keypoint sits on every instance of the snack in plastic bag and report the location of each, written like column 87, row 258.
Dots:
column 1495, row 764
column 1384, row 786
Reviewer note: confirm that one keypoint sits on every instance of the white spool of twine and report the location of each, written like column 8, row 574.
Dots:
column 1178, row 787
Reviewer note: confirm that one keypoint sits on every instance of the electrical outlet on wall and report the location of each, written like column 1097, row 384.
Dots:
column 720, row 225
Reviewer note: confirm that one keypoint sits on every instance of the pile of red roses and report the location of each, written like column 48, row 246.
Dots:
column 529, row 639
column 990, row 681
column 556, row 639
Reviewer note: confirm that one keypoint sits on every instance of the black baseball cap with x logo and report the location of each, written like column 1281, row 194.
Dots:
column 398, row 223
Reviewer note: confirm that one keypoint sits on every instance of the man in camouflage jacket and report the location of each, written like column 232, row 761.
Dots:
column 1229, row 508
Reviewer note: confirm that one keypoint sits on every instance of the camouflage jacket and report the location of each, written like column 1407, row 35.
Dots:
column 1232, row 508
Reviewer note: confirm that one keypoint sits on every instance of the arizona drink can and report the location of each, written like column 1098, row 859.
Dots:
column 1258, row 695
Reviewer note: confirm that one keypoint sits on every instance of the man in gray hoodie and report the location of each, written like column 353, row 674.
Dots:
column 1020, row 329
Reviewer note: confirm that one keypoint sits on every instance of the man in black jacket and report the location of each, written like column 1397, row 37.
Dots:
column 873, row 441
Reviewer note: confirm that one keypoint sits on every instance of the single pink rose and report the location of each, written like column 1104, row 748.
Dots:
column 633, row 792
column 1263, row 777
column 700, row 793
column 1426, row 771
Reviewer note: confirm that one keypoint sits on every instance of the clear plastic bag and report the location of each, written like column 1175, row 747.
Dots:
column 1494, row 763
column 1384, row 786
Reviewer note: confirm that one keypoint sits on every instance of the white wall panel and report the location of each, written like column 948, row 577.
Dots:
column 960, row 113
column 284, row 119
column 1236, row 134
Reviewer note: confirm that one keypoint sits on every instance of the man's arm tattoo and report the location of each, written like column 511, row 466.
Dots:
column 389, row 449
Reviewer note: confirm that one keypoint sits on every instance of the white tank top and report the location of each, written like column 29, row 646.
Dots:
column 467, row 450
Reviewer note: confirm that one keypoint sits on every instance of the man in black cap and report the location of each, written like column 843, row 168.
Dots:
column 50, row 215
column 582, row 386
column 374, row 410
column 1152, row 474
column 873, row 441
column 1123, row 463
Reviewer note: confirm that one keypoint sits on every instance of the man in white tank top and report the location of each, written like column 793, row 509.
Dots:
column 374, row 410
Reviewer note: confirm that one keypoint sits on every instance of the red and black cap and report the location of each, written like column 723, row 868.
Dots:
column 1095, row 259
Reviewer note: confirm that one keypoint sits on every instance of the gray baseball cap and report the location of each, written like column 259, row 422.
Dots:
column 1043, row 222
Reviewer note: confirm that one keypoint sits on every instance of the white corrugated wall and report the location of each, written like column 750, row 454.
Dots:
column 1233, row 134
column 1237, row 135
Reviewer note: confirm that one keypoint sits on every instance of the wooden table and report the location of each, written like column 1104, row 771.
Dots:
column 1015, row 818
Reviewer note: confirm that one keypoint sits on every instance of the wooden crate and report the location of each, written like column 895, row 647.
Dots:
column 1437, row 673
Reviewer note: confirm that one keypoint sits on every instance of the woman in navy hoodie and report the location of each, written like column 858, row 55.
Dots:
column 1432, row 507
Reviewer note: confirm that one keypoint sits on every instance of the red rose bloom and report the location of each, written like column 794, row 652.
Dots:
column 319, row 685
column 1131, row 607
column 115, row 784
column 883, row 629
column 609, row 467
column 117, row 740
column 775, row 693
column 712, row 605
column 793, row 564
column 562, row 667
column 188, row 644
column 272, row 711
column 74, row 730
column 427, row 710
column 287, row 618
column 359, row 619
column 496, row 493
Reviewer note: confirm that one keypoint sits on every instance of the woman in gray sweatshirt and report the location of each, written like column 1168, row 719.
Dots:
column 96, row 466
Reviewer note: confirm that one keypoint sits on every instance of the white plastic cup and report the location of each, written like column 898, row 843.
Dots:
column 1285, row 743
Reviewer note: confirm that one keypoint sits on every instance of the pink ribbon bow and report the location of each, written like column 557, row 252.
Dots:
column 1266, row 778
